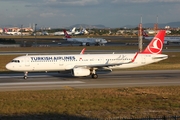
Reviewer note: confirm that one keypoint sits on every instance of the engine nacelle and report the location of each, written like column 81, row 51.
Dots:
column 83, row 44
column 80, row 72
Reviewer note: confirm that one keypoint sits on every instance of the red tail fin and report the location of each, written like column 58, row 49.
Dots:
column 156, row 45
column 66, row 34
column 5, row 30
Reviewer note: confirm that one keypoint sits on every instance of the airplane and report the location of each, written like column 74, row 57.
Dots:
column 11, row 33
column 69, row 32
column 167, row 40
column 86, row 41
column 87, row 64
column 44, row 33
column 154, row 31
column 81, row 32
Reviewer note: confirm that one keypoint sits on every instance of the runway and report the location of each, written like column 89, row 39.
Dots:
column 53, row 80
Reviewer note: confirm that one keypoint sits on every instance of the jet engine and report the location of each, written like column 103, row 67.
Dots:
column 85, row 44
column 80, row 72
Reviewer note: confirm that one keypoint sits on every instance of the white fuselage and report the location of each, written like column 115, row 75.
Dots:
column 62, row 33
column 167, row 39
column 87, row 40
column 59, row 33
column 32, row 63
column 172, row 39
column 13, row 33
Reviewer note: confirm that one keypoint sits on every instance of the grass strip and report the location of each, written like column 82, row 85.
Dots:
column 94, row 103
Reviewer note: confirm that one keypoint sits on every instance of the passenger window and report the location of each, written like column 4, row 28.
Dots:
column 16, row 61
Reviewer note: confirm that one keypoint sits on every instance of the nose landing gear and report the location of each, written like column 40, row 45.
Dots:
column 25, row 75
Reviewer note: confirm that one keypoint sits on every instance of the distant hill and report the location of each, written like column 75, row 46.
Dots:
column 172, row 24
column 151, row 25
column 146, row 25
column 88, row 26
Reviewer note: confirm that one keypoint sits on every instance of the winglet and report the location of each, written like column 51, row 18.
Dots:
column 66, row 34
column 82, row 51
column 156, row 45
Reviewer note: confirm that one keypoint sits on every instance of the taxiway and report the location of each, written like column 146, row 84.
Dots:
column 44, row 81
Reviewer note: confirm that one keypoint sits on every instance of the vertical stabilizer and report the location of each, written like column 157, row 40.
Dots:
column 66, row 34
column 144, row 33
column 5, row 30
column 73, row 30
column 156, row 45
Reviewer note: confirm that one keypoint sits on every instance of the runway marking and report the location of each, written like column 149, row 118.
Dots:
column 22, row 76
column 76, row 82
column 62, row 86
column 41, row 83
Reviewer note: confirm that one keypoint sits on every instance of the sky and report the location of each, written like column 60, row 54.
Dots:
column 65, row 13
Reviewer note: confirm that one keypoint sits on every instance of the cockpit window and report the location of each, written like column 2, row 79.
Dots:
column 16, row 61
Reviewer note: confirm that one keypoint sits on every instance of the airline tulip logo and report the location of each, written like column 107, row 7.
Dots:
column 156, row 46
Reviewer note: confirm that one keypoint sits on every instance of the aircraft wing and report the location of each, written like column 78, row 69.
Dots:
column 98, row 66
column 107, row 64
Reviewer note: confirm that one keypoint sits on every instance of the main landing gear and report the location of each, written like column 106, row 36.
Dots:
column 25, row 75
column 93, row 74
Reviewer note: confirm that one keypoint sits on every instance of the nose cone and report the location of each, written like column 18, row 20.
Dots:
column 9, row 66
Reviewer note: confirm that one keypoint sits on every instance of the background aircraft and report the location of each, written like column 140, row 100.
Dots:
column 154, row 31
column 11, row 33
column 87, row 64
column 44, row 33
column 81, row 32
column 167, row 40
column 69, row 32
column 86, row 41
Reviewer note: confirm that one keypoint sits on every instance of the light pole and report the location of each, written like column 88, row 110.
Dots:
column 35, row 36
column 22, row 45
